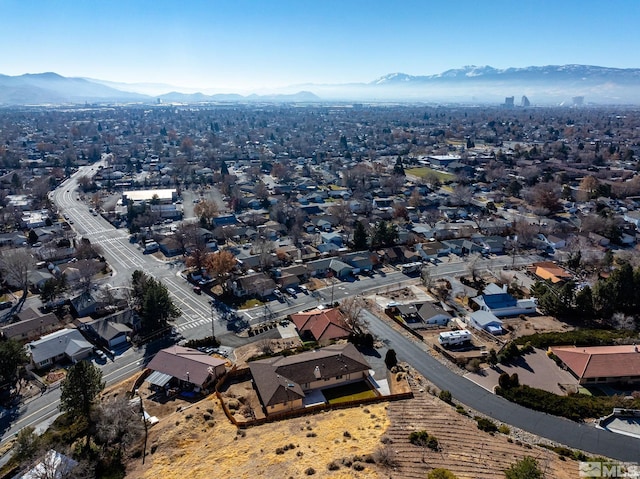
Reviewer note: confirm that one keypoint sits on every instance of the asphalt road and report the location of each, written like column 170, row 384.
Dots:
column 563, row 431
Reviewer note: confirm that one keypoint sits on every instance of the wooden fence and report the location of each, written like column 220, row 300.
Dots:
column 295, row 412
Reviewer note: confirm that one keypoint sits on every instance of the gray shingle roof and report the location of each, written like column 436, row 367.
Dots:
column 65, row 341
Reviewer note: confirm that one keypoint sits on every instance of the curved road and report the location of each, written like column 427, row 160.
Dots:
column 569, row 433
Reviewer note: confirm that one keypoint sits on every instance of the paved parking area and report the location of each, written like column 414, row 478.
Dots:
column 534, row 369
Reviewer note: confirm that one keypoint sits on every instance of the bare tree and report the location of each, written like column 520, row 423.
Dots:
column 473, row 265
column 206, row 210
column 185, row 233
column 15, row 269
column 341, row 210
column 352, row 308
column 118, row 424
column 87, row 270
column 425, row 277
column 55, row 465
column 461, row 195
column 263, row 248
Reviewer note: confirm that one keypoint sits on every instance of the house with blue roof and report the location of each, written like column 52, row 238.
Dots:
column 496, row 300
column 225, row 220
column 486, row 321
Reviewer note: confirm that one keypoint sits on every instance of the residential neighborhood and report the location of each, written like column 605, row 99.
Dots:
column 266, row 258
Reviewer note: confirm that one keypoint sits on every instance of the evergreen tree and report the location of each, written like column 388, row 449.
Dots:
column 398, row 168
column 360, row 239
column 390, row 358
column 79, row 390
column 12, row 356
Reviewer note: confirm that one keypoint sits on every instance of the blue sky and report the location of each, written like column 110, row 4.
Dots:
column 242, row 45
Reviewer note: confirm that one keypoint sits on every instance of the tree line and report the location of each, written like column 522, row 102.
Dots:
column 610, row 299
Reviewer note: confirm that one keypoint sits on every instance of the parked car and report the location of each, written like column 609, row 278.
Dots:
column 197, row 289
column 292, row 292
column 6, row 304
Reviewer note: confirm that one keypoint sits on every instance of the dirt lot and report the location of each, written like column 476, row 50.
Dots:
column 517, row 327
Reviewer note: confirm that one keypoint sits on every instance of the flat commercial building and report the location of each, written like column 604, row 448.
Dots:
column 168, row 195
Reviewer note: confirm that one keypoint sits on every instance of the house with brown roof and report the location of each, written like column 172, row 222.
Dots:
column 256, row 284
column 321, row 325
column 186, row 366
column 30, row 326
column 601, row 364
column 286, row 383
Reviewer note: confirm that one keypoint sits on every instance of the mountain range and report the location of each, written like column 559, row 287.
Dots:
column 543, row 85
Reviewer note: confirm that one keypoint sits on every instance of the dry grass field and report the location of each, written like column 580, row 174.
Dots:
column 197, row 440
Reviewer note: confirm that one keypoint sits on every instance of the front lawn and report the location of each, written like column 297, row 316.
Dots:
column 423, row 172
column 348, row 392
column 251, row 303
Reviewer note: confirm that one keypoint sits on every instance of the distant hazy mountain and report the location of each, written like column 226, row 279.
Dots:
column 582, row 74
column 544, row 84
column 41, row 88
column 470, row 84
column 51, row 88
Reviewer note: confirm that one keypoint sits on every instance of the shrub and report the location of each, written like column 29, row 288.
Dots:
column 461, row 410
column 527, row 467
column 445, row 396
column 346, row 434
column 575, row 407
column 432, row 443
column 504, row 429
column 423, row 439
column 485, row 424
column 385, row 457
column 473, row 366
column 358, row 466
column 580, row 337
column 418, row 437
column 391, row 359
column 505, row 381
column 333, row 466
column 310, row 471
column 441, row 473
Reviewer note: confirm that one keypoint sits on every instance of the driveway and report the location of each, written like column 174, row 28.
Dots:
column 535, row 369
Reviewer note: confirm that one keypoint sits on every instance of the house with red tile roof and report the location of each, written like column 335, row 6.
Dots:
column 601, row 364
column 321, row 325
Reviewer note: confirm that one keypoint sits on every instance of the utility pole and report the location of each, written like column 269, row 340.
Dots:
column 213, row 326
column 146, row 426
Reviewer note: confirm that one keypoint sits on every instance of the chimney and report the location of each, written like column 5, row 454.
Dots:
column 317, row 373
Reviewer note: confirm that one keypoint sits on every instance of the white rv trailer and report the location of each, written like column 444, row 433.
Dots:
column 453, row 338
